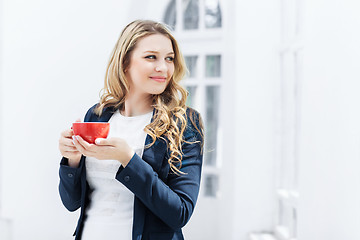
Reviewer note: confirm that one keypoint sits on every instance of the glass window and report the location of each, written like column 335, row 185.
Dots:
column 287, row 218
column 212, row 14
column 211, row 185
column 280, row 212
column 190, row 14
column 213, row 66
column 170, row 14
column 190, row 101
column 212, row 121
column 191, row 64
column 294, row 223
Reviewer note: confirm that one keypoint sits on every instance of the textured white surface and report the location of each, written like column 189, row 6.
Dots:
column 5, row 229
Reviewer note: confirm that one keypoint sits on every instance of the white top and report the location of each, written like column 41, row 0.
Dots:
column 110, row 214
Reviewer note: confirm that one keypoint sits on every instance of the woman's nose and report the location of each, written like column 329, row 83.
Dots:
column 161, row 66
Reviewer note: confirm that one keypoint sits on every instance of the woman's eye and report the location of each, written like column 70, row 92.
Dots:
column 151, row 57
column 170, row 59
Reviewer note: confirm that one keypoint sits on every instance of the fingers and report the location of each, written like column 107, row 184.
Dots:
column 113, row 142
column 66, row 144
column 82, row 146
column 71, row 150
column 104, row 142
column 68, row 149
column 66, row 141
column 68, row 133
column 81, row 142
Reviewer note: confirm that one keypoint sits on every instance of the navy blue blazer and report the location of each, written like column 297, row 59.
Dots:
column 163, row 202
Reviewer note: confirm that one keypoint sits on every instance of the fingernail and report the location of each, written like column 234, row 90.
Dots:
column 97, row 141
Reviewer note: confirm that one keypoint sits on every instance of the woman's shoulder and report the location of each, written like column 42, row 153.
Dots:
column 190, row 110
column 193, row 116
column 92, row 116
column 194, row 124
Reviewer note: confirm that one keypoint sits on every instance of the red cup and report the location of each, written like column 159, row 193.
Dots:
column 90, row 131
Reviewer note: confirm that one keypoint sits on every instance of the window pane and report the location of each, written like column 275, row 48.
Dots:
column 281, row 213
column 212, row 14
column 190, row 101
column 191, row 64
column 211, row 185
column 191, row 14
column 170, row 14
column 213, row 66
column 294, row 224
column 212, row 110
column 285, row 212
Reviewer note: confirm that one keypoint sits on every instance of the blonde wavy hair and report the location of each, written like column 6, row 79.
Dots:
column 170, row 117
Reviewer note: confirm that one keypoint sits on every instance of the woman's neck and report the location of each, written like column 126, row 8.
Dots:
column 137, row 105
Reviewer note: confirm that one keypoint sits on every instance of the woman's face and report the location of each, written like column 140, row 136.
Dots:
column 151, row 65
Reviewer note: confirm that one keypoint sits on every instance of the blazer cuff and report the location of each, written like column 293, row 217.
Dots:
column 68, row 173
column 135, row 172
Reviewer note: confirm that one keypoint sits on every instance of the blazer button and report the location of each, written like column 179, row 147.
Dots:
column 126, row 178
column 70, row 175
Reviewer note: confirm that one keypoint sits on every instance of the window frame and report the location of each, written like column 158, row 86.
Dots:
column 1, row 107
column 204, row 39
column 288, row 116
column 201, row 82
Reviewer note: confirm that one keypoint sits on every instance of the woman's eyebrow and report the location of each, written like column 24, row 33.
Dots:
column 158, row 52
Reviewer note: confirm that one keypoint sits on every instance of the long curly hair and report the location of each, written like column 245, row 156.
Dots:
column 170, row 117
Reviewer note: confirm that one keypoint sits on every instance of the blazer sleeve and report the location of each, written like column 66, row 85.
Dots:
column 173, row 202
column 70, row 185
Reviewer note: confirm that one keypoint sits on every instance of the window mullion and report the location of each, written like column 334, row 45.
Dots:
column 201, row 15
column 201, row 97
column 179, row 16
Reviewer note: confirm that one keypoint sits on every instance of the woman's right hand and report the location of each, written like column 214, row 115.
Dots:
column 68, row 149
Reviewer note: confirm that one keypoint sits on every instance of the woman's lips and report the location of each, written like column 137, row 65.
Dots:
column 159, row 79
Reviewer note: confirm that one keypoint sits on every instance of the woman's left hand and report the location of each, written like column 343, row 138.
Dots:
column 105, row 149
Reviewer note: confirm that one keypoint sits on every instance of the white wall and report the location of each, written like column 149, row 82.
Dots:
column 54, row 59
column 330, row 142
column 257, row 38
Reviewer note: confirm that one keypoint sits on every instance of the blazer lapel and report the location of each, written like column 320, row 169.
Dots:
column 108, row 112
column 155, row 154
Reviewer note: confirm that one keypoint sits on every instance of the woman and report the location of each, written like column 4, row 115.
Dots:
column 141, row 182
